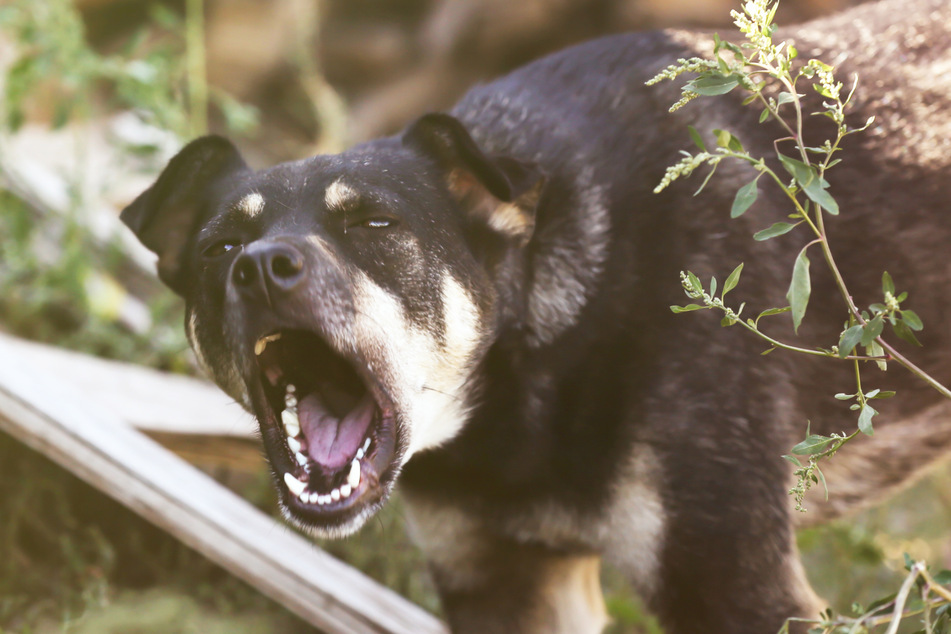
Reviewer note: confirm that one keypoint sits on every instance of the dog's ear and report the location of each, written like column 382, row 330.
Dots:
column 501, row 191
column 164, row 216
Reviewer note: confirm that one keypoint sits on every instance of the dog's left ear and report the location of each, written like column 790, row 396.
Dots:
column 164, row 216
column 501, row 191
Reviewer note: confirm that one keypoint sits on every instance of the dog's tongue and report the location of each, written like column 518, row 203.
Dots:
column 333, row 442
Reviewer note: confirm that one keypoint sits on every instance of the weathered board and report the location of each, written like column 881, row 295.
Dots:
column 56, row 418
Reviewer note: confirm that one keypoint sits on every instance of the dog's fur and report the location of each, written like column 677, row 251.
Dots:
column 499, row 280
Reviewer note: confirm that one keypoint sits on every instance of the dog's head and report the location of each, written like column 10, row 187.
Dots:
column 345, row 300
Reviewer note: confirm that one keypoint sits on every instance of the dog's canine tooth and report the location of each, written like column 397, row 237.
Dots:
column 295, row 486
column 353, row 478
column 294, row 444
column 291, row 422
column 301, row 458
column 261, row 343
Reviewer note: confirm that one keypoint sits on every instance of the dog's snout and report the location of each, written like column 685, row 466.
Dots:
column 272, row 265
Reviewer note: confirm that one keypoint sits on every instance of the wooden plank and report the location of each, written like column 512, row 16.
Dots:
column 56, row 419
column 142, row 397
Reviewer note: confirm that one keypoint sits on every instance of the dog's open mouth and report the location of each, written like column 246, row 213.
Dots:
column 327, row 429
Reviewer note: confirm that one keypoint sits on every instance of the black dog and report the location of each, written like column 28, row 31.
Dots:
column 481, row 304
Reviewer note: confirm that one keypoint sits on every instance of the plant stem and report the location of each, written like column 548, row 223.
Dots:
column 902, row 597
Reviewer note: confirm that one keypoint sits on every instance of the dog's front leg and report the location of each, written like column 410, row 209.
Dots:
column 491, row 584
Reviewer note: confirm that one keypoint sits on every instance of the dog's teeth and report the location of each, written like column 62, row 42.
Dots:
column 290, row 402
column 294, row 444
column 335, row 495
column 295, row 486
column 290, row 388
column 345, row 491
column 301, row 458
column 312, row 498
column 324, row 499
column 366, row 445
column 360, row 453
column 261, row 343
column 353, row 478
column 291, row 422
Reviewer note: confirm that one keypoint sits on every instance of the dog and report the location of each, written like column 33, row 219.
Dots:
column 478, row 308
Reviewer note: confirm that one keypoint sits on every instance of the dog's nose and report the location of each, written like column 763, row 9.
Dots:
column 268, row 265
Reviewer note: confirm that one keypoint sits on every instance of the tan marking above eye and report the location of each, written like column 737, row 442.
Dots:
column 251, row 205
column 339, row 196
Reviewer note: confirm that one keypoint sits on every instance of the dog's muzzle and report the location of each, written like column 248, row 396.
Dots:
column 327, row 422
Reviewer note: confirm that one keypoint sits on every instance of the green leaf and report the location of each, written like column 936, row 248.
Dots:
column 707, row 179
column 865, row 419
column 800, row 288
column 745, row 198
column 723, row 137
column 911, row 319
column 849, row 339
column 713, row 287
column 812, row 445
column 777, row 229
column 872, row 329
column 732, row 280
column 841, row 396
column 872, row 394
column 822, row 481
column 785, row 97
column 712, row 85
column 727, row 321
column 694, row 282
column 875, row 350
column 943, row 578
column 808, row 179
column 904, row 333
column 769, row 312
column 735, row 144
column 764, row 115
column 697, row 139
column 888, row 286
column 822, row 198
column 882, row 394
column 687, row 308
column 793, row 459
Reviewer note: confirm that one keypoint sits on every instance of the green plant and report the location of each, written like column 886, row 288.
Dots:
column 756, row 66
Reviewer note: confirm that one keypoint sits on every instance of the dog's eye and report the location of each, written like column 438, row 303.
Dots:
column 219, row 248
column 377, row 222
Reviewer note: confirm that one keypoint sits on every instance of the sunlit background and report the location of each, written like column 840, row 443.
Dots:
column 97, row 95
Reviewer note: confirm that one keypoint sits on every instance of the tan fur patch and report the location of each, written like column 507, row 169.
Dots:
column 426, row 379
column 251, row 205
column 339, row 196
column 633, row 532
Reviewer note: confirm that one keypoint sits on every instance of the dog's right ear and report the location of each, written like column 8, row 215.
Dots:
column 165, row 215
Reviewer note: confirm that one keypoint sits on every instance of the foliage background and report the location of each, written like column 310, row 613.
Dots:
column 131, row 80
